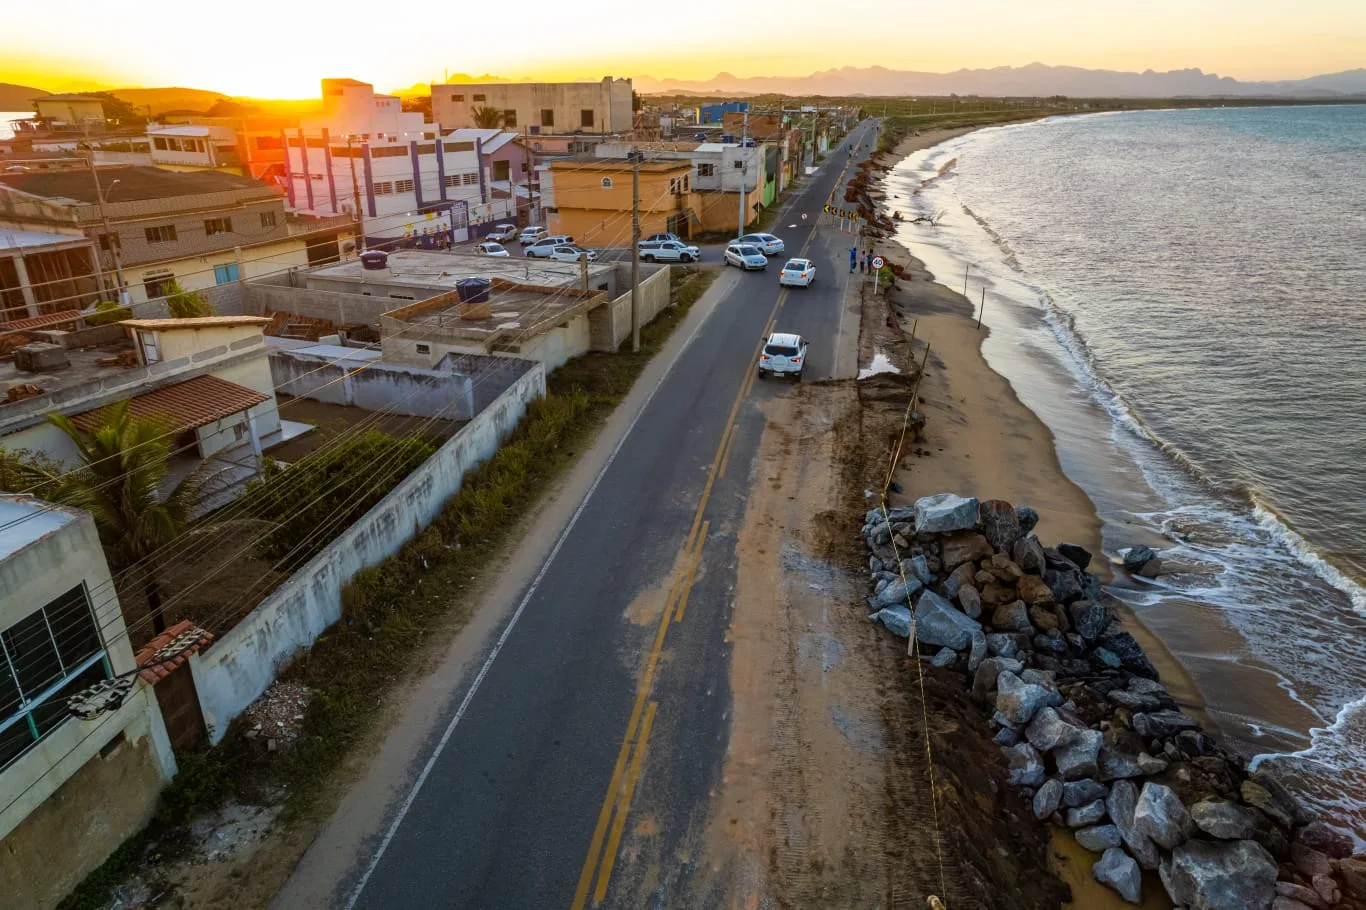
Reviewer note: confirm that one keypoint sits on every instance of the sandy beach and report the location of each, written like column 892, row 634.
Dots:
column 982, row 441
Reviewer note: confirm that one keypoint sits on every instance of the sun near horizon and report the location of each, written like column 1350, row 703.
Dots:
column 241, row 51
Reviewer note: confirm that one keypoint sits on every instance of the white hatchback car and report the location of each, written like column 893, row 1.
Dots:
column 783, row 353
column 531, row 234
column 570, row 253
column 542, row 248
column 798, row 273
column 489, row 248
column 503, row 232
column 767, row 243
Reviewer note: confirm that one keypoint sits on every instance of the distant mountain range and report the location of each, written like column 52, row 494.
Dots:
column 18, row 97
column 1034, row 80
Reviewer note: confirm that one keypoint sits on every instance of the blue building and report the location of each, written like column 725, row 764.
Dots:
column 711, row 113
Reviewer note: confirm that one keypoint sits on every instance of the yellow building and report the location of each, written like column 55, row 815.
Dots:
column 590, row 199
column 70, row 110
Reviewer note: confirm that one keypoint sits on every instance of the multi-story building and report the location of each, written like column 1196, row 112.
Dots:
column 75, row 787
column 194, row 147
column 77, row 112
column 720, row 171
column 153, row 226
column 259, row 143
column 539, row 108
column 590, row 199
column 45, row 272
column 364, row 157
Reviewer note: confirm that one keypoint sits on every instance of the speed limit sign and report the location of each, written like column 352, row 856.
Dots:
column 878, row 262
column 803, row 216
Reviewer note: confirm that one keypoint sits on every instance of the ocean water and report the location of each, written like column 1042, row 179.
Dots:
column 6, row 132
column 1181, row 296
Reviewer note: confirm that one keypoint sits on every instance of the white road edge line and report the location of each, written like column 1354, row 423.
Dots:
column 498, row 646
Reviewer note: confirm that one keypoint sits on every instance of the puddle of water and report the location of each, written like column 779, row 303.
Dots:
column 880, row 364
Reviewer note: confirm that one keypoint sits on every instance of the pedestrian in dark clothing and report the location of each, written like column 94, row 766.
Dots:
column 853, row 258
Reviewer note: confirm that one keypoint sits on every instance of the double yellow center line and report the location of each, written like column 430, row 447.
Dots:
column 616, row 805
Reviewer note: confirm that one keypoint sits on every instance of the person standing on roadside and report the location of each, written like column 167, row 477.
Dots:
column 853, row 258
column 862, row 264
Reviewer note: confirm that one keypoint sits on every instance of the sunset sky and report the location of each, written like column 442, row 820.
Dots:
column 270, row 49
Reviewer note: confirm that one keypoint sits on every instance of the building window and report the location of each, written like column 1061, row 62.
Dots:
column 157, row 284
column 389, row 151
column 478, row 97
column 547, row 116
column 267, row 143
column 706, row 170
column 384, row 188
column 106, row 243
column 267, row 219
column 403, row 186
column 737, row 164
column 224, row 274
column 45, row 658
column 510, row 117
column 470, row 179
column 217, row 226
column 159, row 143
column 459, row 146
column 457, row 97
column 502, row 170
column 452, row 180
column 162, row 233
column 607, row 183
column 586, row 117
column 687, row 178
column 424, row 348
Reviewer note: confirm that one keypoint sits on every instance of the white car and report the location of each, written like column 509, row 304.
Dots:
column 798, row 273
column 569, row 253
column 783, row 353
column 489, row 248
column 746, row 257
column 503, row 232
column 767, row 243
column 668, row 251
column 660, row 238
column 542, row 248
column 531, row 234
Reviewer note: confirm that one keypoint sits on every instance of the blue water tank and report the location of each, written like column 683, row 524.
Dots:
column 374, row 259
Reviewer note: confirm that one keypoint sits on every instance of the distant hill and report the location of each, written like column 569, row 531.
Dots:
column 162, row 100
column 18, row 97
column 1034, row 80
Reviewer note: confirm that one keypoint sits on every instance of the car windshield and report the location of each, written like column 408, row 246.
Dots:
column 780, row 350
column 751, row 238
column 747, row 250
column 795, row 265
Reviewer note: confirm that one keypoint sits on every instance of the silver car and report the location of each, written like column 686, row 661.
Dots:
column 767, row 243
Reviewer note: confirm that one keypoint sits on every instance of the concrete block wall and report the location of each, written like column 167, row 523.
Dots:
column 411, row 391
column 238, row 667
column 610, row 325
column 340, row 309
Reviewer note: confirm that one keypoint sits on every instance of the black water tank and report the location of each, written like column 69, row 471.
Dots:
column 374, row 259
column 473, row 290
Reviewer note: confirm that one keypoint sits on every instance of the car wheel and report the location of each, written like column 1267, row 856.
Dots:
column 647, row 259
column 686, row 258
column 761, row 372
column 797, row 375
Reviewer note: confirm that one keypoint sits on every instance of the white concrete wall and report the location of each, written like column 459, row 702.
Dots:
column 376, row 386
column 237, row 668
column 562, row 343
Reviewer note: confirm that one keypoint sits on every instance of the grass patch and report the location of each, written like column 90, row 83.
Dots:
column 392, row 611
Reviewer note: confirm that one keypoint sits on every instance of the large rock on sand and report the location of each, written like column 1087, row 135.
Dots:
column 1116, row 869
column 1224, row 820
column 1018, row 701
column 1220, row 875
column 1160, row 814
column 1028, row 555
column 1000, row 524
column 896, row 592
column 962, row 547
column 944, row 512
column 938, row 622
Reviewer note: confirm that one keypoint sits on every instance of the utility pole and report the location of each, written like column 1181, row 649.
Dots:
column 636, row 155
column 113, row 239
column 355, row 192
column 744, row 168
column 583, row 272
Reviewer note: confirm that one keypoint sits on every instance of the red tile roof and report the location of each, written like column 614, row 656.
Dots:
column 170, row 649
column 39, row 322
column 187, row 405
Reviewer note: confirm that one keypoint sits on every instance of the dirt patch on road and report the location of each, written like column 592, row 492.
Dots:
column 825, row 800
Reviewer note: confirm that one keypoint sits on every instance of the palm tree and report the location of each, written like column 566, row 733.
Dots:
column 487, row 118
column 123, row 468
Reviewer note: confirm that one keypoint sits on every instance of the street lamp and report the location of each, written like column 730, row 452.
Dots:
column 114, row 251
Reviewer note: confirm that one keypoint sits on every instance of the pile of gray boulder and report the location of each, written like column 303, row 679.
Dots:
column 1087, row 731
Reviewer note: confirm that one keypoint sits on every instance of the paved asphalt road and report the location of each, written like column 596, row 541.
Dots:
column 593, row 714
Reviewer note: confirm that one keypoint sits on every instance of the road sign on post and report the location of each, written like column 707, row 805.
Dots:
column 878, row 262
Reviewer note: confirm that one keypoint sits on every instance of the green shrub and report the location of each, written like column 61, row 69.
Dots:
column 316, row 498
column 107, row 311
column 185, row 304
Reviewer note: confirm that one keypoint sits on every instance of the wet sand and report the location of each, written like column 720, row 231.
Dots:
column 980, row 440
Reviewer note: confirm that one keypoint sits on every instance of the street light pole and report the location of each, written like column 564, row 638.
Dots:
column 114, row 249
column 744, row 168
column 355, row 192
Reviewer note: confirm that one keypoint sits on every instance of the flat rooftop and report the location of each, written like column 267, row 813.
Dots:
column 440, row 271
column 85, row 369
column 517, row 312
column 25, row 520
